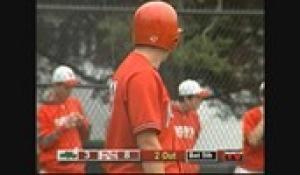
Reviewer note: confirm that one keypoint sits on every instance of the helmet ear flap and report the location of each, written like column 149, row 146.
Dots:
column 178, row 36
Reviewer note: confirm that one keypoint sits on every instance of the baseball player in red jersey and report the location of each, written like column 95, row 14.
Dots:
column 139, row 99
column 253, row 129
column 61, row 124
column 184, row 128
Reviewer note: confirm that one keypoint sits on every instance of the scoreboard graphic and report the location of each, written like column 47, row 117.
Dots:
column 136, row 155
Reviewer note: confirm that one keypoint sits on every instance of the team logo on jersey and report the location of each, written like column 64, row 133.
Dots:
column 184, row 132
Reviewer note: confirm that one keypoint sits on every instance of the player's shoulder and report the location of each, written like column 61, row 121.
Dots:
column 45, row 105
column 134, row 67
column 145, row 76
column 253, row 112
column 195, row 113
column 196, row 116
column 44, row 109
column 73, row 99
column 134, row 61
column 255, row 109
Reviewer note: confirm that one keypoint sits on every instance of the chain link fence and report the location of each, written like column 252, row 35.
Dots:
column 216, row 133
column 221, row 48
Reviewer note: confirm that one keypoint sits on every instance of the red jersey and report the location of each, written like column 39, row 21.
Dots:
column 140, row 102
column 180, row 135
column 48, row 115
column 253, row 156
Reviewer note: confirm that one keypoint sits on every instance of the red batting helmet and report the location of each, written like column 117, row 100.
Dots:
column 156, row 24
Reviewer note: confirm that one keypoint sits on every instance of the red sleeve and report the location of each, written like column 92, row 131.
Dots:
column 143, row 103
column 44, row 123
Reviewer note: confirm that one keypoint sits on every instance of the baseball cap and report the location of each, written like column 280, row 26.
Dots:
column 191, row 87
column 65, row 75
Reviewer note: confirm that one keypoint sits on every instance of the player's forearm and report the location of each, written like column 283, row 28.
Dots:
column 84, row 131
column 149, row 141
column 83, row 126
column 153, row 167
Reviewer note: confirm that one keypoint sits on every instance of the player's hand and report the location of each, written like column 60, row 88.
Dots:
column 66, row 122
column 77, row 118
